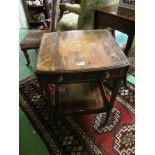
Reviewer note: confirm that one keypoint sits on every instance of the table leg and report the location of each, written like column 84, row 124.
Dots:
column 40, row 83
column 125, row 77
column 126, row 51
column 129, row 43
column 26, row 56
column 47, row 94
column 56, row 96
column 43, row 87
column 113, row 33
column 56, row 103
column 113, row 98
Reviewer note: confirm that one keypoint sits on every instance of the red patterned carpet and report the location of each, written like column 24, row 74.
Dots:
column 82, row 135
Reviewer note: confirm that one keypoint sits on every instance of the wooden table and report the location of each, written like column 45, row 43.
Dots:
column 120, row 19
column 71, row 66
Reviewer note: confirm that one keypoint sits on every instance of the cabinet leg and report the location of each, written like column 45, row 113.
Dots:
column 26, row 56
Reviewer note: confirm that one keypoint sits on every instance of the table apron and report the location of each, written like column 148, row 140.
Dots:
column 80, row 77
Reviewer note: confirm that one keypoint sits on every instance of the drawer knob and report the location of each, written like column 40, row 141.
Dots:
column 60, row 78
column 107, row 74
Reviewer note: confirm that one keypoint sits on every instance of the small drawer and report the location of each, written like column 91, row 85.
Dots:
column 81, row 76
column 87, row 76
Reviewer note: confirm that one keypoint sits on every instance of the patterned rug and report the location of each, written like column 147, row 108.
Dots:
column 82, row 134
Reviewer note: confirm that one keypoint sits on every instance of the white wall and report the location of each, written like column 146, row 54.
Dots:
column 22, row 17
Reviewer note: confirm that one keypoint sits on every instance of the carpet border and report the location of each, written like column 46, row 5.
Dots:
column 37, row 129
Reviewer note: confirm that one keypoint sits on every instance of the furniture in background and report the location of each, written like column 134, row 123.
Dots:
column 127, row 4
column 31, row 41
column 36, row 11
column 33, row 38
column 80, row 16
column 71, row 66
column 72, row 1
column 118, row 18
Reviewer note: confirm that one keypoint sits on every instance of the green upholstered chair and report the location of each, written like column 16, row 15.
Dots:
column 80, row 16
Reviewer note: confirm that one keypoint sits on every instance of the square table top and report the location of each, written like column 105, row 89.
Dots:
column 79, row 50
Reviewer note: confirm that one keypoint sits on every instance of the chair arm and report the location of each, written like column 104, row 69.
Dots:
column 55, row 17
column 75, row 8
column 55, row 14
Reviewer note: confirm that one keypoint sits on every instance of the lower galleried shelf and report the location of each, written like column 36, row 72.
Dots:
column 80, row 98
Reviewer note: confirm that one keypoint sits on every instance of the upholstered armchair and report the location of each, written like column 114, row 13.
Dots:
column 80, row 16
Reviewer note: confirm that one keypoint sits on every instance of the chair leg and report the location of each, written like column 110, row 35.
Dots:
column 26, row 56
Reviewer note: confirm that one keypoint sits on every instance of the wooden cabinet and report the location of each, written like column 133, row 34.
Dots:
column 36, row 11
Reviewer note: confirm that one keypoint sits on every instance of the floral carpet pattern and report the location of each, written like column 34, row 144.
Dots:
column 82, row 134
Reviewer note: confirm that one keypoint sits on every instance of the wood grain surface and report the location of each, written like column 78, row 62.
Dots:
column 119, row 11
column 79, row 50
column 90, row 97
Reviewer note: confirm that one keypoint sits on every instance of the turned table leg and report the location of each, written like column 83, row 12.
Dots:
column 26, row 56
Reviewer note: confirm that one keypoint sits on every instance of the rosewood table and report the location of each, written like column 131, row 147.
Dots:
column 118, row 18
column 71, row 66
